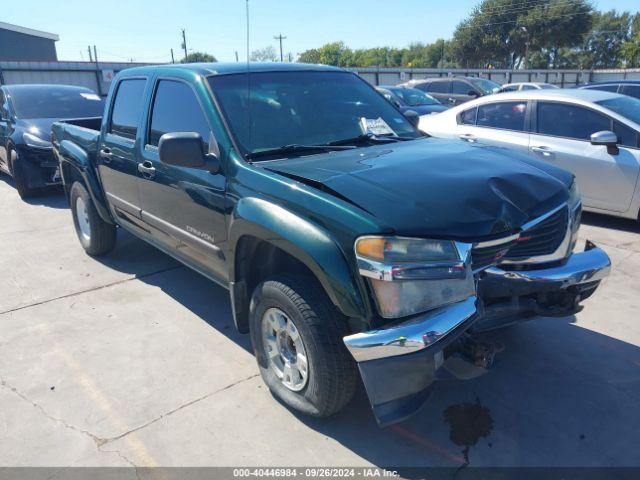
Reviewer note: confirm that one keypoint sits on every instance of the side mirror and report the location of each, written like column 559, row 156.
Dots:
column 412, row 116
column 607, row 139
column 186, row 149
column 473, row 93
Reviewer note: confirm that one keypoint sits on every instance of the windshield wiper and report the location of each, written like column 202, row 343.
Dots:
column 371, row 138
column 296, row 148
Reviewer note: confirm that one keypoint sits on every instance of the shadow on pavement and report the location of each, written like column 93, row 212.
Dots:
column 559, row 395
column 52, row 197
column 607, row 221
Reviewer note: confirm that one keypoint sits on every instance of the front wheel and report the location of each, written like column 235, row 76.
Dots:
column 296, row 334
column 96, row 236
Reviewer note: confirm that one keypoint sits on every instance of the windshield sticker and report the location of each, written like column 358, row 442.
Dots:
column 90, row 96
column 376, row 126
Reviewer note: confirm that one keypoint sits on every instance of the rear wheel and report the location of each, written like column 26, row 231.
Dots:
column 96, row 236
column 20, row 177
column 297, row 339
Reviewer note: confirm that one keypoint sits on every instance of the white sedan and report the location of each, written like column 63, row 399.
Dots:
column 592, row 133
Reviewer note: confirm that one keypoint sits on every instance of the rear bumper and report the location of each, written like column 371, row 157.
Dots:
column 400, row 363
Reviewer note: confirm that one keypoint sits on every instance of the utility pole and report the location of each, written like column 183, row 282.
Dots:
column 184, row 45
column 89, row 50
column 173, row 60
column 98, row 79
column 280, row 38
column 442, row 55
column 237, row 56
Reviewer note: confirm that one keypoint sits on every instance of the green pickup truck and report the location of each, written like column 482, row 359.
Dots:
column 352, row 244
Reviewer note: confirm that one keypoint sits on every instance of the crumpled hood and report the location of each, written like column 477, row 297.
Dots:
column 436, row 188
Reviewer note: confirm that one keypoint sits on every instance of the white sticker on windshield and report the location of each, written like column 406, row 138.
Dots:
column 376, row 126
column 90, row 96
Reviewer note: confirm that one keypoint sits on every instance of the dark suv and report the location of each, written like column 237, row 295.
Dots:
column 455, row 90
column 625, row 87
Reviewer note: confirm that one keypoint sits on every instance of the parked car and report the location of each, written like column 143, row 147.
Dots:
column 592, row 133
column 26, row 115
column 515, row 87
column 625, row 87
column 406, row 98
column 349, row 241
column 454, row 90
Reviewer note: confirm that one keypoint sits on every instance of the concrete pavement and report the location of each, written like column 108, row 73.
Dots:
column 133, row 360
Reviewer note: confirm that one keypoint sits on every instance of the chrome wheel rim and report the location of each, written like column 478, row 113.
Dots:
column 82, row 216
column 285, row 350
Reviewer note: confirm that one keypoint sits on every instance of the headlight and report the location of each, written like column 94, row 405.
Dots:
column 36, row 142
column 412, row 275
column 575, row 214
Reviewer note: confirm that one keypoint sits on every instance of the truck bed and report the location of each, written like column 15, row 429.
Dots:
column 81, row 133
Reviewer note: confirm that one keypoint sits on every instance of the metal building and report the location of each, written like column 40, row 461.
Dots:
column 25, row 44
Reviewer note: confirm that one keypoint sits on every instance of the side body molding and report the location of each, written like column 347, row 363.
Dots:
column 305, row 241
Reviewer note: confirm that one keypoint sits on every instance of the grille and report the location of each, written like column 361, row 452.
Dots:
column 542, row 239
column 487, row 256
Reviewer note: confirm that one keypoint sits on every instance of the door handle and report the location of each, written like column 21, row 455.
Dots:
column 146, row 169
column 467, row 137
column 106, row 155
column 544, row 151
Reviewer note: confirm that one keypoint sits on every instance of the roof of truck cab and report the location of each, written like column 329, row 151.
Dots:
column 223, row 68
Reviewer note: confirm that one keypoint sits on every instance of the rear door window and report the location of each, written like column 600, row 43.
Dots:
column 570, row 121
column 176, row 109
column 127, row 108
column 441, row 86
column 461, row 88
column 504, row 115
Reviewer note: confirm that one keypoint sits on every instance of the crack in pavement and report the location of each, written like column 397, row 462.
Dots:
column 101, row 442
column 177, row 409
column 93, row 437
column 99, row 287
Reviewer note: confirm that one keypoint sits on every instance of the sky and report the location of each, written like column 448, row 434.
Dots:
column 147, row 30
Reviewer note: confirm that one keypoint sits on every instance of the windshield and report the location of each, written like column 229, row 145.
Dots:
column 304, row 108
column 628, row 107
column 414, row 97
column 487, row 86
column 48, row 102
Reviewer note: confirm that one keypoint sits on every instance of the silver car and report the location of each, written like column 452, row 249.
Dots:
column 592, row 133
column 514, row 87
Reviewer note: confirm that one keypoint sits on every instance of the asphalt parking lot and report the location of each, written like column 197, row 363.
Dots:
column 133, row 360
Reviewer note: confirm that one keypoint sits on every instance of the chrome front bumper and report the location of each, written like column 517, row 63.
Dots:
column 399, row 363
column 581, row 268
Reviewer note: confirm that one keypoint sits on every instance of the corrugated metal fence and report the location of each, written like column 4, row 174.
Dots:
column 97, row 76
column 561, row 78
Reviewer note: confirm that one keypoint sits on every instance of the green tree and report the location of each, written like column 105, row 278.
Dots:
column 502, row 33
column 266, row 54
column 630, row 49
column 310, row 56
column 335, row 53
column 603, row 45
column 197, row 57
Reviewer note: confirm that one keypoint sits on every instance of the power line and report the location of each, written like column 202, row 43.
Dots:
column 529, row 5
column 516, row 21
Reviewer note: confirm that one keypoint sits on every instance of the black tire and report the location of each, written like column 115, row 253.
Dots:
column 332, row 373
column 20, row 177
column 101, row 235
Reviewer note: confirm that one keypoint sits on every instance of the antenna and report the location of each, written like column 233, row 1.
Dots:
column 248, row 79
